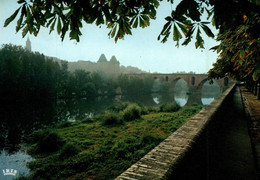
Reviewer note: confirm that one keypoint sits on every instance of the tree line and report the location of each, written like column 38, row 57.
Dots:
column 238, row 23
column 28, row 75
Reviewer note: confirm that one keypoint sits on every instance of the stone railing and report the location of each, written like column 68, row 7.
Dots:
column 164, row 159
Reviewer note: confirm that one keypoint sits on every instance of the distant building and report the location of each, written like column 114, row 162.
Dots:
column 108, row 67
column 102, row 59
column 103, row 66
column 28, row 46
column 113, row 60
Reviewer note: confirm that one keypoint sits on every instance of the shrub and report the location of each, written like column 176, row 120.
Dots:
column 64, row 124
column 36, row 136
column 111, row 118
column 49, row 142
column 132, row 112
column 118, row 106
column 152, row 109
column 144, row 110
column 172, row 107
column 69, row 150
column 87, row 120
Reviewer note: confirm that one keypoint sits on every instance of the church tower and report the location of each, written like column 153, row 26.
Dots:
column 28, row 46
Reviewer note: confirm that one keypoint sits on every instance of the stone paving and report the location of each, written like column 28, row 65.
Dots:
column 252, row 109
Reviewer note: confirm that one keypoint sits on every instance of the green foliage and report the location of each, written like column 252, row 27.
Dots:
column 124, row 146
column 135, row 85
column 69, row 150
column 64, row 124
column 68, row 16
column 132, row 112
column 118, row 106
column 238, row 58
column 104, row 151
column 111, row 118
column 171, row 107
column 164, row 86
column 40, row 79
column 34, row 75
column 49, row 142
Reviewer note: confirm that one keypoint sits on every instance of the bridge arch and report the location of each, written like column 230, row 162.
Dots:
column 209, row 91
column 195, row 81
column 181, row 91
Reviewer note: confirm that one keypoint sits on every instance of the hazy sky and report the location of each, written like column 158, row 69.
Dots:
column 142, row 49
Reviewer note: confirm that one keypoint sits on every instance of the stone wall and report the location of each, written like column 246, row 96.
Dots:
column 185, row 148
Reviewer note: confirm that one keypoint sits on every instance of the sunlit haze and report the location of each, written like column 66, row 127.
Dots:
column 141, row 49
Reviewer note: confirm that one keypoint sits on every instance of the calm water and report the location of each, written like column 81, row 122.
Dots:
column 19, row 120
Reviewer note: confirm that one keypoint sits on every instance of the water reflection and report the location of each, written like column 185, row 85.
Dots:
column 16, row 161
column 181, row 91
column 19, row 119
column 156, row 100
column 206, row 101
column 209, row 92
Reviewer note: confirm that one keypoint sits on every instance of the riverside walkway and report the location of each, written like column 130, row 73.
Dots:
column 230, row 154
column 252, row 109
column 224, row 146
column 225, row 151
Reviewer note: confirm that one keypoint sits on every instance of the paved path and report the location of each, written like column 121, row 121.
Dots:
column 252, row 107
column 230, row 151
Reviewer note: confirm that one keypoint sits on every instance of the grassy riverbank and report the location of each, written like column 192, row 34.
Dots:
column 104, row 146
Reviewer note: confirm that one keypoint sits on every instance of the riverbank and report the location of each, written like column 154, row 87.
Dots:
column 104, row 146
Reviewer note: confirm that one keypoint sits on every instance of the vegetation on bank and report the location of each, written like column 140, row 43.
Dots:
column 104, row 146
column 41, row 78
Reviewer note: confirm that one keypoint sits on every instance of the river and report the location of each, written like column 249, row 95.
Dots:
column 19, row 119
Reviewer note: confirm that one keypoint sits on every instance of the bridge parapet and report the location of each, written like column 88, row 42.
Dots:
column 161, row 162
column 193, row 80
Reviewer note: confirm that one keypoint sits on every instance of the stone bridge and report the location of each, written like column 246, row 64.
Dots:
column 194, row 81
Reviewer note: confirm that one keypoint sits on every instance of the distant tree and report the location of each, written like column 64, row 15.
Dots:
column 25, row 75
column 164, row 86
column 229, row 16
column 83, row 84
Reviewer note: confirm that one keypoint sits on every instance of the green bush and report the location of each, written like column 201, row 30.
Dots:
column 69, row 150
column 118, row 106
column 64, row 124
column 111, row 118
column 153, row 109
column 132, row 112
column 144, row 110
column 87, row 120
column 49, row 142
column 171, row 107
